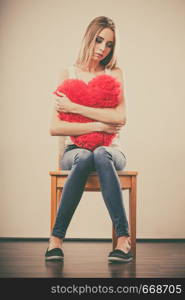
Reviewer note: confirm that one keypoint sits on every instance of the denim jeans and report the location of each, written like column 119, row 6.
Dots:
column 105, row 161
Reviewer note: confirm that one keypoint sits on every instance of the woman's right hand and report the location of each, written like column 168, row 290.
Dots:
column 109, row 128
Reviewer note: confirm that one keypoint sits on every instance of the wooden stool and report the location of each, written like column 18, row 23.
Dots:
column 127, row 181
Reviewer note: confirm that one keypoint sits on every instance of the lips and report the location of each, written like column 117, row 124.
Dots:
column 99, row 55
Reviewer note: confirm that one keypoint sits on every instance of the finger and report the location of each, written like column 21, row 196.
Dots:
column 57, row 101
column 57, row 104
column 117, row 125
column 60, row 94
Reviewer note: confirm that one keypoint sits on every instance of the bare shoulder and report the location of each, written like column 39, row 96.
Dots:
column 118, row 74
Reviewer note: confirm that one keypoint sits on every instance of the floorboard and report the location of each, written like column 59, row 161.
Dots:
column 25, row 259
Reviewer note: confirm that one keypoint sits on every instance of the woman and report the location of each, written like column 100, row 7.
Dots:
column 97, row 56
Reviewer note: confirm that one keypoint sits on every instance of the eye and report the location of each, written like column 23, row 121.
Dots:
column 99, row 39
column 110, row 45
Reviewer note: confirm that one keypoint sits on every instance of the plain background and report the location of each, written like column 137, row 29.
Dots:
column 41, row 37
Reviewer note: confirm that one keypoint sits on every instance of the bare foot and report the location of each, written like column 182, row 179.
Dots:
column 123, row 243
column 55, row 242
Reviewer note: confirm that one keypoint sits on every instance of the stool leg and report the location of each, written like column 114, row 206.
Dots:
column 59, row 194
column 114, row 238
column 132, row 214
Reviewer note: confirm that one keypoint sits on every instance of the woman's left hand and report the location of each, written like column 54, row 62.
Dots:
column 64, row 104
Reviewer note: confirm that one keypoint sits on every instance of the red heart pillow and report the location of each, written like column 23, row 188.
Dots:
column 102, row 92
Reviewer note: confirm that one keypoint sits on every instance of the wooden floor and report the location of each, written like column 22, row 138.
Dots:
column 25, row 259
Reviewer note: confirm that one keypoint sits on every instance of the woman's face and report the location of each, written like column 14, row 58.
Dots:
column 104, row 44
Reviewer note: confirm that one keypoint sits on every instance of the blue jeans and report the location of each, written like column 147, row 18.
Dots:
column 105, row 161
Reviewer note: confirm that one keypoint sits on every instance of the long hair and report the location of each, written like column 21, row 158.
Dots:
column 89, row 40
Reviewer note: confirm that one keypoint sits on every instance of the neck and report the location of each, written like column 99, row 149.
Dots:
column 94, row 67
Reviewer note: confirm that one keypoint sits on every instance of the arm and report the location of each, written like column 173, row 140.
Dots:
column 63, row 128
column 59, row 127
column 108, row 115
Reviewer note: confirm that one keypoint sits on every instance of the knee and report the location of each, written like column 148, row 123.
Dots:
column 83, row 157
column 102, row 155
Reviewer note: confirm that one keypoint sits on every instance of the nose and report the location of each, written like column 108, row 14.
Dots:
column 102, row 47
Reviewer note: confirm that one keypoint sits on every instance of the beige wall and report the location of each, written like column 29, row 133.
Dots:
column 38, row 39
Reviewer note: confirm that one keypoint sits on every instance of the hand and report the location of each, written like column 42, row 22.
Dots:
column 109, row 128
column 124, row 122
column 64, row 104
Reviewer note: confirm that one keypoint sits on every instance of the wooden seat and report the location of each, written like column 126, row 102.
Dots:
column 127, row 181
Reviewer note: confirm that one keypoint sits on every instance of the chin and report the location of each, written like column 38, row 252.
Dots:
column 96, row 58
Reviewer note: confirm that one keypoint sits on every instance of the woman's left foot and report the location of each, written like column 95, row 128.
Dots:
column 122, row 252
column 123, row 244
column 120, row 256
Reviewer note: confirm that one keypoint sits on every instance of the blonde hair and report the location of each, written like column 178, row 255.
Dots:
column 88, row 43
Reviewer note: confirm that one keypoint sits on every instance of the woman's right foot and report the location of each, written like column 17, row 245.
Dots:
column 55, row 242
column 54, row 254
column 54, row 251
